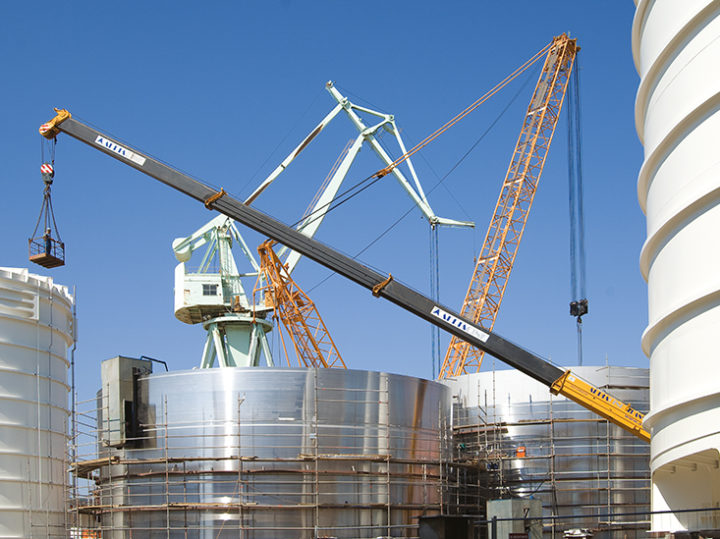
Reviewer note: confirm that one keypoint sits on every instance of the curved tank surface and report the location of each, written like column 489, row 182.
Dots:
column 36, row 329
column 269, row 452
column 513, row 439
column 676, row 48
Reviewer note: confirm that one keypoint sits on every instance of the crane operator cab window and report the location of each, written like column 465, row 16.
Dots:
column 209, row 289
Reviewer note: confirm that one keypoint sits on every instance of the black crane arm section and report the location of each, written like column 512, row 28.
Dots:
column 559, row 381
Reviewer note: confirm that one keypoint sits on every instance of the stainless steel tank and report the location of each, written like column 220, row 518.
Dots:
column 512, row 438
column 268, row 452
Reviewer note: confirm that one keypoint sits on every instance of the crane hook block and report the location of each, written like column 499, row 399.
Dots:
column 579, row 308
column 50, row 129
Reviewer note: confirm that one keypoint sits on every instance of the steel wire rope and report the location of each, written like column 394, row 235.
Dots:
column 46, row 209
column 360, row 98
column 499, row 86
column 356, row 96
column 578, row 297
column 472, row 148
column 374, row 178
column 402, row 158
column 575, row 178
column 150, row 155
column 437, row 184
column 282, row 141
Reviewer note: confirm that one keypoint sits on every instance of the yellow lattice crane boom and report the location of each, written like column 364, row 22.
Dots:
column 507, row 224
column 313, row 344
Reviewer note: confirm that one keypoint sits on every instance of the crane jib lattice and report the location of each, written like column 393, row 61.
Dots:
column 507, row 224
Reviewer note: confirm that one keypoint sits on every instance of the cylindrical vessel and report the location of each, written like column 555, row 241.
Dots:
column 268, row 452
column 513, row 438
column 36, row 329
column 676, row 47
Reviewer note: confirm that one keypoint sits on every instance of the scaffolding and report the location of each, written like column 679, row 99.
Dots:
column 250, row 475
column 507, row 445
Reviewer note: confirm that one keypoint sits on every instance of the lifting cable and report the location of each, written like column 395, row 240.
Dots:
column 437, row 184
column 46, row 247
column 287, row 135
column 578, row 297
column 499, row 86
column 373, row 178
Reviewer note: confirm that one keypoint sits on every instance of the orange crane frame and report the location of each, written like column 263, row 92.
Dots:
column 292, row 306
column 313, row 344
column 507, row 224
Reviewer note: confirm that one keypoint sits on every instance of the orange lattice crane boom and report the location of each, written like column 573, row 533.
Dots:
column 313, row 344
column 507, row 224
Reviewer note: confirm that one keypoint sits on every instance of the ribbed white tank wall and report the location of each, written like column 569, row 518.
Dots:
column 36, row 329
column 676, row 47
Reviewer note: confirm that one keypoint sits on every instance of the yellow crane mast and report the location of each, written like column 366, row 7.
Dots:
column 313, row 344
column 497, row 255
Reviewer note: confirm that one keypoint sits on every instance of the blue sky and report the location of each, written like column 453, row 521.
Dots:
column 225, row 90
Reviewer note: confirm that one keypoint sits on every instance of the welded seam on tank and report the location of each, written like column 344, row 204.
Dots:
column 651, row 335
column 33, row 322
column 678, row 219
column 650, row 79
column 31, row 349
column 12, row 398
column 5, row 370
column 678, row 404
column 28, row 280
column 67, row 307
column 677, row 450
column 25, row 481
column 670, row 458
column 673, row 138
column 638, row 25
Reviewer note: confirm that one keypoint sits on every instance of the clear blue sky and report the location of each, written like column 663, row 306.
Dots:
column 225, row 90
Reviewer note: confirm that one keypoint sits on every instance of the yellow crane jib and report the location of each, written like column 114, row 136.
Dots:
column 310, row 337
column 601, row 403
column 505, row 230
column 50, row 129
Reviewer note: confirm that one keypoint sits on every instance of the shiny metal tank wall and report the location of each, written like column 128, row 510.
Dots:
column 36, row 329
column 268, row 452
column 676, row 48
column 512, row 438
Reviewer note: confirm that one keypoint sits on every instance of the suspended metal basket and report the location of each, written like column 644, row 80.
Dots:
column 44, row 249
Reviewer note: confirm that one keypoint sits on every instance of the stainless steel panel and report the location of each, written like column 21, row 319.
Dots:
column 512, row 438
column 261, row 453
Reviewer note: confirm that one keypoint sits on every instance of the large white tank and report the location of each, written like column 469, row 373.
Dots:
column 676, row 48
column 36, row 329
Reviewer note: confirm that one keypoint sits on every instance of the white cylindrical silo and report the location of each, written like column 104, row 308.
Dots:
column 676, row 48
column 36, row 329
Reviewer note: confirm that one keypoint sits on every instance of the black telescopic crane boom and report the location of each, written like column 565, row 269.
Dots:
column 559, row 381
